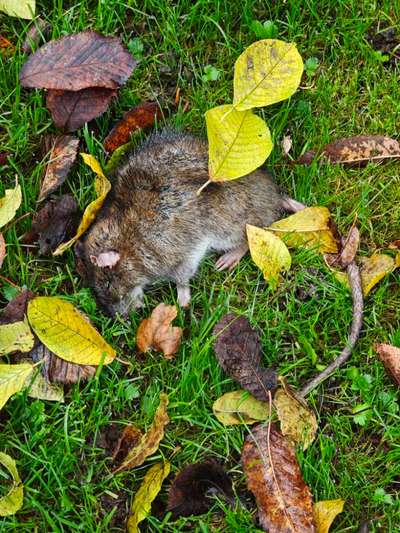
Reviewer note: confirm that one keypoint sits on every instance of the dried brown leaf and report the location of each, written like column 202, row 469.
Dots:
column 34, row 35
column 390, row 357
column 128, row 439
column 6, row 48
column 394, row 245
column 16, row 308
column 156, row 332
column 348, row 250
column 3, row 158
column 2, row 249
column 62, row 156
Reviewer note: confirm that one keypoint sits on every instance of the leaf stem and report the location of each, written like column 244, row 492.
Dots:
column 203, row 187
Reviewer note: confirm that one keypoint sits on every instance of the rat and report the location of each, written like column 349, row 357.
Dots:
column 154, row 226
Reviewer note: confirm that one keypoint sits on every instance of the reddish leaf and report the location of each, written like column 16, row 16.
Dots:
column 2, row 249
column 71, row 110
column 6, row 48
column 78, row 61
column 395, row 245
column 3, row 158
column 139, row 117
column 283, row 499
column 62, row 156
column 16, row 308
column 390, row 357
column 34, row 35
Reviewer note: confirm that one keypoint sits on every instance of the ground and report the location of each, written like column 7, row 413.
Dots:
column 59, row 448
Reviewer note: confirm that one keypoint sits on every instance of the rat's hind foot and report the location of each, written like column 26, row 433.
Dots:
column 183, row 295
column 231, row 259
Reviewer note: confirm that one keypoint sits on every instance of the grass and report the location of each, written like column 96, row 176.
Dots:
column 58, row 447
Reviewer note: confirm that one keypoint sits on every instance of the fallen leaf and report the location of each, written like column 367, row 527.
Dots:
column 24, row 9
column 374, row 268
column 3, row 158
column 62, row 157
column 12, row 501
column 156, row 332
column 2, row 249
column 16, row 308
column 78, row 61
column 117, row 157
column 145, row 495
column 239, row 407
column 9, row 204
column 15, row 337
column 6, row 48
column 139, row 117
column 66, row 332
column 41, row 389
column 269, row 253
column 72, row 109
column 192, row 490
column 13, row 379
column 238, row 349
column 348, row 250
column 267, row 72
column 356, row 150
column 390, row 357
column 394, row 245
column 34, row 35
column 150, row 441
column 325, row 513
column 283, row 499
column 238, row 142
column 129, row 438
column 286, row 144
column 311, row 227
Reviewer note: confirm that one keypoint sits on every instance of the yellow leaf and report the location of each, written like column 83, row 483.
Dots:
column 325, row 513
column 374, row 268
column 144, row 497
column 44, row 390
column 12, row 501
column 239, row 407
column 311, row 227
column 66, row 332
column 102, row 187
column 9, row 204
column 16, row 337
column 268, row 252
column 268, row 71
column 12, row 380
column 24, row 9
column 239, row 142
column 150, row 441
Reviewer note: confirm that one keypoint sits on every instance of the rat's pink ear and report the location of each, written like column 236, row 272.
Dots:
column 106, row 259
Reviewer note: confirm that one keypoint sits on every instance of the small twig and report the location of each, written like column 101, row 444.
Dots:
column 353, row 274
column 203, row 187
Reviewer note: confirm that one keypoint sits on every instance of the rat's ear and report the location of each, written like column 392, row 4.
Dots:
column 109, row 259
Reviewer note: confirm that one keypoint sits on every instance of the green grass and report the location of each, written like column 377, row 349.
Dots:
column 57, row 447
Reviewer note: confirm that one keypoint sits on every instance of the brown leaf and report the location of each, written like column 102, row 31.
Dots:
column 128, row 439
column 34, row 35
column 357, row 150
column 394, row 245
column 139, row 117
column 78, row 61
column 156, row 332
column 2, row 249
column 283, row 499
column 16, row 308
column 62, row 156
column 238, row 349
column 390, row 357
column 72, row 109
column 6, row 48
column 192, row 490
column 3, row 158
column 347, row 252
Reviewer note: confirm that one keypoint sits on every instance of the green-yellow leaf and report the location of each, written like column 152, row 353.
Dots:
column 66, row 332
column 144, row 497
column 24, row 9
column 268, row 71
column 12, row 501
column 374, row 268
column 9, row 204
column 150, row 441
column 311, row 228
column 268, row 252
column 102, row 187
column 239, row 142
column 12, row 379
column 239, row 407
column 16, row 337
column 325, row 513
column 42, row 389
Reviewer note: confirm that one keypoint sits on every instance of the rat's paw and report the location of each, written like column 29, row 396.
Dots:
column 183, row 295
column 230, row 259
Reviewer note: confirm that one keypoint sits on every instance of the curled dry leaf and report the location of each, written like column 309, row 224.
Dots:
column 24, row 9
column 13, row 379
column 15, row 337
column 150, row 441
column 283, row 499
column 192, row 490
column 348, row 250
column 2, row 249
column 390, row 357
column 325, row 513
column 238, row 349
column 9, row 204
column 11, row 502
column 156, row 332
column 78, row 61
column 34, row 35
column 286, row 144
column 239, row 407
column 62, row 156
column 139, row 117
column 16, row 308
column 128, row 439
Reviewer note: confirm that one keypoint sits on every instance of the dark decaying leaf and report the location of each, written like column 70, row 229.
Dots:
column 2, row 249
column 192, row 490
column 139, row 117
column 387, row 42
column 64, row 149
column 34, row 35
column 72, row 109
column 283, row 499
column 128, row 439
column 348, row 250
column 78, row 61
column 3, row 158
column 356, row 151
column 390, row 357
column 16, row 308
column 238, row 349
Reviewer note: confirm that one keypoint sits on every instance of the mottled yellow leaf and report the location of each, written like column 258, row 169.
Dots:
column 12, row 379
column 311, row 227
column 325, row 513
column 66, row 332
column 12, row 501
column 239, row 407
column 24, row 9
column 102, row 187
column 268, row 252
column 374, row 268
column 16, row 337
column 238, row 141
column 9, row 204
column 268, row 71
column 150, row 441
column 144, row 497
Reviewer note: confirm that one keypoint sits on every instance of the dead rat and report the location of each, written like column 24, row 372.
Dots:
column 153, row 226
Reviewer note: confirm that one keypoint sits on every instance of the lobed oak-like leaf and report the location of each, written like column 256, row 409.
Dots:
column 11, row 502
column 157, row 333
